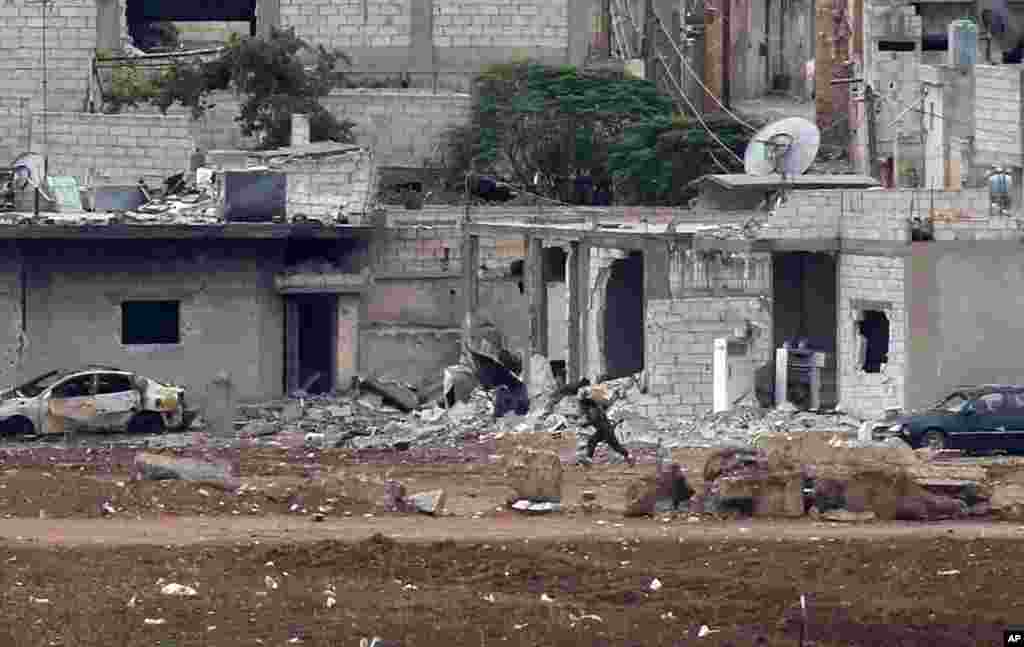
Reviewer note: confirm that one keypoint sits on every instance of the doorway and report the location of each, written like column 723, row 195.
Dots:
column 624, row 317
column 805, row 310
column 310, row 332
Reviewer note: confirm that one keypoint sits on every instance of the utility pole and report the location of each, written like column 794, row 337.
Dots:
column 870, row 114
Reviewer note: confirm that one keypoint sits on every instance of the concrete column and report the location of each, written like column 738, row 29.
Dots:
column 291, row 351
column 715, row 43
column 108, row 25
column 574, row 366
column 781, row 375
column 220, row 406
column 470, row 284
column 538, row 295
column 300, row 130
column 580, row 296
column 347, row 341
column 580, row 28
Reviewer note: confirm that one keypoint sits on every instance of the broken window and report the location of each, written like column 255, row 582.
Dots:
column 76, row 387
column 896, row 46
column 150, row 322
column 515, row 270
column 874, row 328
column 113, row 383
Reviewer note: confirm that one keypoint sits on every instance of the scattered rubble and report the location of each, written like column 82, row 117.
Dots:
column 534, row 475
column 155, row 467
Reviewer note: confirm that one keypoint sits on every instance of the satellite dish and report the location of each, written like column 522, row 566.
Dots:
column 787, row 147
column 28, row 170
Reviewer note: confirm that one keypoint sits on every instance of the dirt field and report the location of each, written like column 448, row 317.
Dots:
column 76, row 576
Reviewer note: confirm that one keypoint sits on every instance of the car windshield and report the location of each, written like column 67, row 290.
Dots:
column 953, row 403
column 40, row 384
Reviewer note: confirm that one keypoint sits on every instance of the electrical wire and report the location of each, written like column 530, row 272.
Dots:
column 696, row 77
column 696, row 113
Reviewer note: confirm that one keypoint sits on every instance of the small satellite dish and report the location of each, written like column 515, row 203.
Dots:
column 787, row 147
column 28, row 170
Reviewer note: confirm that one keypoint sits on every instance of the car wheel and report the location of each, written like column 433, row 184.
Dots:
column 147, row 422
column 17, row 426
column 935, row 439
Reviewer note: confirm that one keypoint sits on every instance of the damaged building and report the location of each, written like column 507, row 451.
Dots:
column 831, row 282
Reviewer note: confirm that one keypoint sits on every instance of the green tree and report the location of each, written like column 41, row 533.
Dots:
column 277, row 75
column 531, row 120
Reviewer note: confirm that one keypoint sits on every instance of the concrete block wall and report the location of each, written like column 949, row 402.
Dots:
column 350, row 23
column 324, row 187
column 121, row 147
column 693, row 272
column 680, row 336
column 871, row 282
column 997, row 115
column 70, row 44
column 411, row 250
column 966, row 215
column 491, row 23
column 231, row 316
column 404, row 128
column 866, row 215
column 15, row 126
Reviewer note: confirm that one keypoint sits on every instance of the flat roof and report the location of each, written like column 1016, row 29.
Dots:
column 234, row 230
column 774, row 181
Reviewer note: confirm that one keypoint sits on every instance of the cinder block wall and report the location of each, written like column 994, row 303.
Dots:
column 680, row 347
column 403, row 128
column 350, row 23
column 997, row 115
column 15, row 124
column 319, row 188
column 70, row 43
column 869, row 282
column 121, row 147
column 476, row 24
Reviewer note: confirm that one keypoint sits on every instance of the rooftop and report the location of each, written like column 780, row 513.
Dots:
column 775, row 181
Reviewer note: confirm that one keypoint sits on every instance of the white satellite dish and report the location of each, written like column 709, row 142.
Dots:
column 28, row 170
column 786, row 147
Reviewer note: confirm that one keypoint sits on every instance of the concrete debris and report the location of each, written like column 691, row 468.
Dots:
column 459, row 384
column 431, row 502
column 534, row 475
column 845, row 516
column 531, row 507
column 400, row 396
column 155, row 467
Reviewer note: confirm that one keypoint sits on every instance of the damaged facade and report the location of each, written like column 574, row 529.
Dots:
column 896, row 322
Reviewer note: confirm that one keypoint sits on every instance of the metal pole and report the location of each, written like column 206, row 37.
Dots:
column 869, row 107
column 46, row 146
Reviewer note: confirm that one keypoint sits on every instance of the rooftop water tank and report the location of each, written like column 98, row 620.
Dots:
column 963, row 42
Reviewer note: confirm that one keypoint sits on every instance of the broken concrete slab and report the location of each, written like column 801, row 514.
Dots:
column 534, row 475
column 458, row 384
column 156, row 467
column 292, row 411
column 431, row 502
column 841, row 515
column 1007, row 501
column 258, row 428
column 401, row 397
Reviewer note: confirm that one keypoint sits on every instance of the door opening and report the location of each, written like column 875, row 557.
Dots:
column 310, row 332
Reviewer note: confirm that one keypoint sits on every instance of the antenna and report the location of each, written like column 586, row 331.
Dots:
column 786, row 147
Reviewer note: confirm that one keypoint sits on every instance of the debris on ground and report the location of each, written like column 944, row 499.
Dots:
column 431, row 502
column 156, row 467
column 534, row 475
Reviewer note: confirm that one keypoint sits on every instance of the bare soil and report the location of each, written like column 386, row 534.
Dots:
column 77, row 576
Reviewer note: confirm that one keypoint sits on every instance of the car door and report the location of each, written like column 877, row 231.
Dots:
column 989, row 424
column 70, row 405
column 1015, row 437
column 117, row 400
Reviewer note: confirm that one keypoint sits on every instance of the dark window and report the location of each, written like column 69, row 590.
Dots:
column 76, row 387
column 113, row 383
column 875, row 329
column 150, row 322
column 992, row 403
column 554, row 265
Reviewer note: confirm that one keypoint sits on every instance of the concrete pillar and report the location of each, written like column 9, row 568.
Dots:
column 573, row 367
column 291, row 353
column 220, row 406
column 108, row 25
column 300, row 130
column 580, row 296
column 470, row 284
column 781, row 375
column 538, row 295
column 715, row 44
column 347, row 340
column 580, row 15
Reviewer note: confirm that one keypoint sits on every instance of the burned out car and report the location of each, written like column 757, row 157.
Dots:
column 977, row 418
column 93, row 398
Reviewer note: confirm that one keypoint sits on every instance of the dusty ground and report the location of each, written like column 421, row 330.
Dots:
column 474, row 578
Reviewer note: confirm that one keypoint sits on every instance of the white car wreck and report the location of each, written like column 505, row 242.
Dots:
column 94, row 398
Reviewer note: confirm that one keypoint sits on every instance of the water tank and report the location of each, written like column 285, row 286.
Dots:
column 963, row 42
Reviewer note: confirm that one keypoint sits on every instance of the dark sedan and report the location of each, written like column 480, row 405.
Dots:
column 980, row 418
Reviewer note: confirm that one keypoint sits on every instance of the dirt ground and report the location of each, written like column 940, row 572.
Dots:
column 267, row 572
